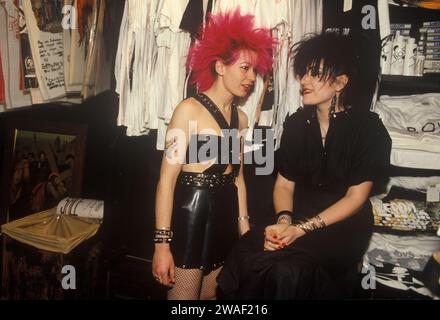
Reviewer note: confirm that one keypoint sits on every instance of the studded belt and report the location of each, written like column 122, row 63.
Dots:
column 206, row 180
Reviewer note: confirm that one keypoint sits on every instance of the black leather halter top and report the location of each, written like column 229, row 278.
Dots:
column 200, row 140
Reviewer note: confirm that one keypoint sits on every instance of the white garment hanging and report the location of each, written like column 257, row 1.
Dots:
column 170, row 74
column 173, row 45
column 152, row 51
column 162, row 66
column 270, row 13
column 171, row 14
column 384, row 18
column 132, row 62
column 149, row 64
column 246, row 6
column 278, row 20
column 97, row 67
column 74, row 53
column 305, row 18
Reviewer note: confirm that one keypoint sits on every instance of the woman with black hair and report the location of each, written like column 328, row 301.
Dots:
column 330, row 155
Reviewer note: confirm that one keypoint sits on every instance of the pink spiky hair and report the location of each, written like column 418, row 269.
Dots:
column 224, row 36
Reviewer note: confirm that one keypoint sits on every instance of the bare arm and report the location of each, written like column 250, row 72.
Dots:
column 350, row 204
column 172, row 161
column 175, row 149
column 283, row 194
column 346, row 207
column 243, row 224
column 283, row 201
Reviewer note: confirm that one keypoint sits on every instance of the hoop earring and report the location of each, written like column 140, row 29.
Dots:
column 332, row 109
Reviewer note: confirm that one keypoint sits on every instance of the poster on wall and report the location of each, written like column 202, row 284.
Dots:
column 28, row 65
column 43, row 164
column 43, row 20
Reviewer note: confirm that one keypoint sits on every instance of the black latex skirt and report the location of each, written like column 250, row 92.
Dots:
column 204, row 220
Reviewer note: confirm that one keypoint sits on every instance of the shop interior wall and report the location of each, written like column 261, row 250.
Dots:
column 124, row 171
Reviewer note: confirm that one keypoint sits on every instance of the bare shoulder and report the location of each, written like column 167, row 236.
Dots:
column 242, row 119
column 187, row 110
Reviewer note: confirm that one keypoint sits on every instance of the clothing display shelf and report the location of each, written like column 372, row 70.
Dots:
column 399, row 85
column 404, row 85
column 395, row 85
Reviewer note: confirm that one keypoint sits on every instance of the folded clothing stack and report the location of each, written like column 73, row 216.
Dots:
column 398, row 262
column 413, row 123
column 406, row 210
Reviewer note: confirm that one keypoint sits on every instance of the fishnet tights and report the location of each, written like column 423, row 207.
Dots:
column 192, row 285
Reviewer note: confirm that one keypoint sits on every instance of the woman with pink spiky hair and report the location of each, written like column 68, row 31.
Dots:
column 201, row 201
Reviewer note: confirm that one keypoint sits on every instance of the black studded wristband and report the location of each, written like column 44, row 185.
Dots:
column 284, row 215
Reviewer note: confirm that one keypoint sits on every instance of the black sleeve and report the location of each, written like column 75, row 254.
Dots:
column 287, row 155
column 372, row 158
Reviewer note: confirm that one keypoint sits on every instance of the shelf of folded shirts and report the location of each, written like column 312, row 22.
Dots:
column 404, row 85
column 402, row 215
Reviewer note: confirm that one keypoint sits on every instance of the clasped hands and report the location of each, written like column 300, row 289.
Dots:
column 279, row 236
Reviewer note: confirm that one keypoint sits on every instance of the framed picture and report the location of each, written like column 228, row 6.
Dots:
column 42, row 164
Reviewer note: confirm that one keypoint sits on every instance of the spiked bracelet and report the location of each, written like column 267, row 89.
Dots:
column 284, row 215
column 163, row 232
column 162, row 240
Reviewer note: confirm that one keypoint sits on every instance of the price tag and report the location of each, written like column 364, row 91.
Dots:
column 433, row 194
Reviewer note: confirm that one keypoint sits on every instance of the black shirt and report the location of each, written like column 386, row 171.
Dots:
column 357, row 149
